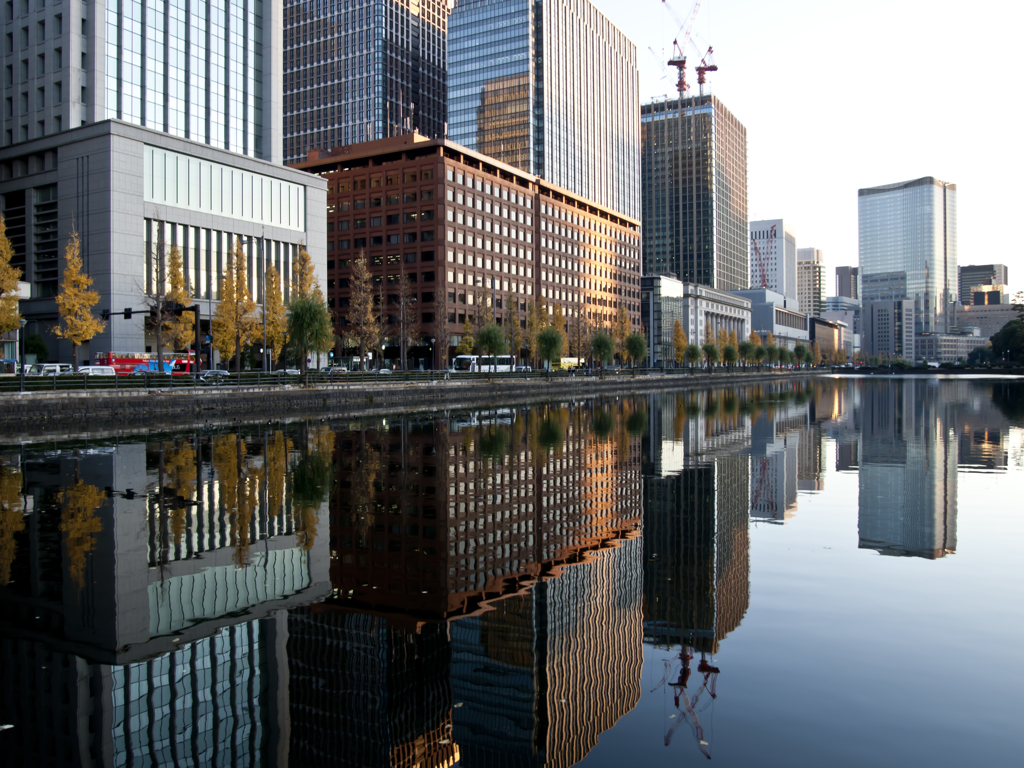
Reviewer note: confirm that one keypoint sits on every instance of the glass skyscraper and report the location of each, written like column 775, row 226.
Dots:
column 908, row 249
column 549, row 87
column 359, row 70
column 694, row 170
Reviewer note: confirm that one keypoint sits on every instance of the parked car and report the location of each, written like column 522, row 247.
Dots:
column 48, row 369
column 96, row 370
column 287, row 372
column 215, row 376
column 523, row 368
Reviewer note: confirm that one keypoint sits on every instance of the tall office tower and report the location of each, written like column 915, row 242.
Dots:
column 144, row 127
column 907, row 235
column 207, row 72
column 773, row 257
column 974, row 275
column 848, row 282
column 549, row 87
column 888, row 328
column 362, row 70
column 694, row 171
column 810, row 280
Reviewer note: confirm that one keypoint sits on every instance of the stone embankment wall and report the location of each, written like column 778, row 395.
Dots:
column 68, row 415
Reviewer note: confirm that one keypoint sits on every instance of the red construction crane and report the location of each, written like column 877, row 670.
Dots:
column 707, row 64
column 679, row 45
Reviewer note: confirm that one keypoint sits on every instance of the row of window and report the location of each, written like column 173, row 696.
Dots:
column 425, row 236
column 391, row 220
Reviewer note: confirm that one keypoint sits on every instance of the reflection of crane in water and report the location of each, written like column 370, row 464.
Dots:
column 690, row 706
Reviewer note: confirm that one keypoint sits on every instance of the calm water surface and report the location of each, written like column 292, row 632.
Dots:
column 798, row 574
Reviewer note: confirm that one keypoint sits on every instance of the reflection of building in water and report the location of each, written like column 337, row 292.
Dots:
column 364, row 692
column 810, row 472
column 696, row 553
column 149, row 561
column 908, row 477
column 983, row 431
column 432, row 520
column 540, row 677
column 216, row 701
column 774, row 450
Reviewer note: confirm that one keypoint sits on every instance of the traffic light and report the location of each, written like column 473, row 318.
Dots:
column 127, row 313
column 105, row 315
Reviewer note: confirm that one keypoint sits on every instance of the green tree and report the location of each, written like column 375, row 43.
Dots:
column 603, row 348
column 536, row 321
column 36, row 345
column 558, row 323
column 692, row 354
column 234, row 321
column 491, row 340
column 309, row 327
column 746, row 350
column 729, row 355
column 277, row 317
column 76, row 300
column 679, row 342
column 549, row 344
column 1008, row 342
column 636, row 348
column 710, row 350
column 773, row 353
column 10, row 317
column 760, row 353
column 799, row 353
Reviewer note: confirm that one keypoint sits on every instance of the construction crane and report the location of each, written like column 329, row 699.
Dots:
column 707, row 64
column 760, row 261
column 679, row 45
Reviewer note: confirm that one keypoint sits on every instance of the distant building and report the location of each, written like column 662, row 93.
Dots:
column 972, row 275
column 889, row 329
column 988, row 295
column 947, row 347
column 810, row 280
column 694, row 176
column 663, row 300
column 831, row 337
column 848, row 282
column 848, row 311
column 908, row 250
column 550, row 88
column 772, row 313
column 989, row 319
column 773, row 258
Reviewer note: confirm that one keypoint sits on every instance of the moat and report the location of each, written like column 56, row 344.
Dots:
column 801, row 572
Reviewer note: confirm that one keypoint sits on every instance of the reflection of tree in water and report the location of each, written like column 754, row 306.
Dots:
column 238, row 481
column 1008, row 397
column 276, row 463
column 11, row 520
column 180, row 478
column 312, row 475
column 79, row 523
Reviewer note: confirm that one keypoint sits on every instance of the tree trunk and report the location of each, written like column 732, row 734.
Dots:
column 238, row 352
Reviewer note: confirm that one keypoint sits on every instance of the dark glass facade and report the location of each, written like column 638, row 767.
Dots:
column 694, row 171
column 549, row 87
column 359, row 70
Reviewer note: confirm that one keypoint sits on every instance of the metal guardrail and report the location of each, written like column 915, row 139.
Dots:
column 81, row 383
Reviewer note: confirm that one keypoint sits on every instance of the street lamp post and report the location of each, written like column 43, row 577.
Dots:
column 21, row 352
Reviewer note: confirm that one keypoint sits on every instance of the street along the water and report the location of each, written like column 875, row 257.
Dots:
column 799, row 573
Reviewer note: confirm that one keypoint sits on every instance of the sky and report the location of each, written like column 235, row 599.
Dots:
column 840, row 96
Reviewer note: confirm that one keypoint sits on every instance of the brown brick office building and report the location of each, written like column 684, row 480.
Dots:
column 459, row 222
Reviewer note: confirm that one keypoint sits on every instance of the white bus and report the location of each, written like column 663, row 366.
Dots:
column 483, row 363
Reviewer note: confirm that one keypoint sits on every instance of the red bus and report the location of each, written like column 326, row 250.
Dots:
column 125, row 363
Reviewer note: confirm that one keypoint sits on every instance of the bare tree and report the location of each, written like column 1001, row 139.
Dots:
column 408, row 321
column 442, row 334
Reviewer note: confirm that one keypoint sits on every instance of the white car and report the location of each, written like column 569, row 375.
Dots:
column 48, row 369
column 96, row 370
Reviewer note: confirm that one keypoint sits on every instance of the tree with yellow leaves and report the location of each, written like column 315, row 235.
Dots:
column 733, row 339
column 76, row 300
column 620, row 331
column 234, row 322
column 769, row 340
column 12, row 521
column 722, row 339
column 536, row 321
column 10, row 317
column 468, row 340
column 79, row 523
column 558, row 323
column 755, row 338
column 277, row 320
column 679, row 342
column 364, row 314
column 305, row 282
column 181, row 329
